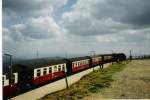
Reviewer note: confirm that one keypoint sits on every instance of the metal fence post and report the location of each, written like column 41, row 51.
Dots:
column 66, row 80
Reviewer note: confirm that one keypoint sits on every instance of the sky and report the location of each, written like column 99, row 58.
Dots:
column 75, row 27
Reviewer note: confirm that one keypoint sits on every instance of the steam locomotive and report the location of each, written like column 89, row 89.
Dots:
column 30, row 74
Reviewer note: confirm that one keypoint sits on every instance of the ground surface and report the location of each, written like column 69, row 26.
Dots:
column 133, row 82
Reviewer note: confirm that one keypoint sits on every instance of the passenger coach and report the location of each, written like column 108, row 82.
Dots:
column 97, row 60
column 78, row 64
column 39, row 71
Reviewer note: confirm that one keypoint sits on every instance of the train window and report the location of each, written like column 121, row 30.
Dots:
column 100, row 59
column 104, row 57
column 59, row 68
column 3, row 82
column 75, row 63
column 63, row 68
column 85, row 62
column 44, row 71
column 82, row 62
column 50, row 69
column 3, row 78
column 12, row 80
column 78, row 63
column 63, row 65
column 38, row 72
column 55, row 68
column 72, row 64
column 110, row 57
column 6, row 76
column 94, row 59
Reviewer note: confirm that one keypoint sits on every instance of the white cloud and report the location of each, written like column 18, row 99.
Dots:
column 95, row 17
column 101, row 25
column 6, row 34
column 148, row 36
column 34, row 28
column 82, row 21
column 110, row 38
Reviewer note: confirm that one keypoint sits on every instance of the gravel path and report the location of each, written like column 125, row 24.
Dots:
column 131, row 83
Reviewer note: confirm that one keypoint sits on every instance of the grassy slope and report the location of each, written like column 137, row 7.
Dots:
column 91, row 83
column 133, row 82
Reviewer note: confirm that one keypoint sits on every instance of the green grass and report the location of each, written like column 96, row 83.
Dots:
column 91, row 83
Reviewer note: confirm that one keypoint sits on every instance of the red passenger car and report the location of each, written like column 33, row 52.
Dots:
column 39, row 71
column 97, row 60
column 79, row 64
column 10, row 88
column 47, row 73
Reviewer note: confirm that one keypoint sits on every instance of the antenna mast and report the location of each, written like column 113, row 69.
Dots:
column 37, row 55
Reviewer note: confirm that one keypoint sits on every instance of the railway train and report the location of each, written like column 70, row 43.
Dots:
column 30, row 74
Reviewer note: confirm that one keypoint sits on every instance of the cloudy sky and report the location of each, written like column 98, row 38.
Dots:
column 54, row 27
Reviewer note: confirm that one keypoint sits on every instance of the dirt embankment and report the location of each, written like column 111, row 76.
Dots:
column 131, row 83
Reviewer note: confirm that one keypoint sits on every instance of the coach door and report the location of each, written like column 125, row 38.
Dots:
column 24, row 77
